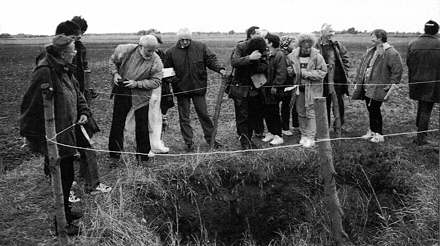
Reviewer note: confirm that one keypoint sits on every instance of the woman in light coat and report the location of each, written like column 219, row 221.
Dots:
column 310, row 70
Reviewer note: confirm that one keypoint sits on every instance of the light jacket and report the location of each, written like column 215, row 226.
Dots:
column 423, row 62
column 386, row 70
column 313, row 75
column 131, row 65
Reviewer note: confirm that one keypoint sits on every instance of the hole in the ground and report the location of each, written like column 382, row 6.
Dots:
column 231, row 202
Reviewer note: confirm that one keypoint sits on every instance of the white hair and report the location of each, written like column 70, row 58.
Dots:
column 184, row 33
column 148, row 40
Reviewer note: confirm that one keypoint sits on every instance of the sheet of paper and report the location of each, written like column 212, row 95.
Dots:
column 168, row 72
column 290, row 88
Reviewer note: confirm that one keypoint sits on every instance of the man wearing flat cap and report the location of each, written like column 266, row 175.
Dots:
column 423, row 60
column 190, row 58
column 136, row 70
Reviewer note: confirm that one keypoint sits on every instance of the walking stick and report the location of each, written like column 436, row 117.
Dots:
column 218, row 105
column 334, row 97
column 54, row 163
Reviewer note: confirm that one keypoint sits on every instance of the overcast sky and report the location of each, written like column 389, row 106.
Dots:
column 111, row 16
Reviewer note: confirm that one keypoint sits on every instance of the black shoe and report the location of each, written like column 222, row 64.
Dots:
column 71, row 229
column 246, row 143
column 217, row 145
column 115, row 156
column 189, row 147
column 73, row 215
column 259, row 134
column 253, row 145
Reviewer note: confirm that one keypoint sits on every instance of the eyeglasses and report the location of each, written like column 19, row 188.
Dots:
column 71, row 51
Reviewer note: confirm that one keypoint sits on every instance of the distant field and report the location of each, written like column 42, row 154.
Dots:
column 269, row 184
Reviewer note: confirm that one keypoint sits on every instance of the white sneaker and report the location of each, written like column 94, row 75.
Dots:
column 73, row 198
column 368, row 135
column 101, row 188
column 277, row 140
column 377, row 138
column 269, row 136
column 287, row 133
column 303, row 139
column 151, row 154
column 161, row 150
column 309, row 143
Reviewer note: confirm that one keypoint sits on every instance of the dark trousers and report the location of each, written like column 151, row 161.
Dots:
column 247, row 115
column 424, row 110
column 259, row 122
column 375, row 115
column 88, row 166
column 287, row 112
column 340, row 98
column 67, row 177
column 272, row 117
column 121, row 107
column 183, row 106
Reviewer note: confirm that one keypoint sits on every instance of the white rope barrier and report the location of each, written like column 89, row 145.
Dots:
column 280, row 86
column 230, row 151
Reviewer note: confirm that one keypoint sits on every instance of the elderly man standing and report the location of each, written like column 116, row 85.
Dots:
column 189, row 58
column 423, row 62
column 335, row 55
column 136, row 70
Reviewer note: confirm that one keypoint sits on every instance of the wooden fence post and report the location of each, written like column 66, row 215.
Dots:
column 54, row 163
column 328, row 172
column 218, row 105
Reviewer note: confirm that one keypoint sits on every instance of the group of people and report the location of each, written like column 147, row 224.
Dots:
column 297, row 69
column 273, row 79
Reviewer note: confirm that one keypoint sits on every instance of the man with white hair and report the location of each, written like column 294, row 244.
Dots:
column 136, row 70
column 336, row 81
column 189, row 58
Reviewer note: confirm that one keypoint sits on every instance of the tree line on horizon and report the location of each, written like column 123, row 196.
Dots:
column 350, row 30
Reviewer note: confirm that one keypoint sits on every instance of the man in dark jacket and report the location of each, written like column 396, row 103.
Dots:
column 82, row 71
column 272, row 91
column 423, row 62
column 336, row 80
column 70, row 106
column 246, row 60
column 189, row 59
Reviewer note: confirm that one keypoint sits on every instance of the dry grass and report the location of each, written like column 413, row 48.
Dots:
column 189, row 201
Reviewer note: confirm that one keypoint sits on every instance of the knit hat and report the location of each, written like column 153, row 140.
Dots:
column 61, row 41
column 184, row 33
column 285, row 42
column 431, row 27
